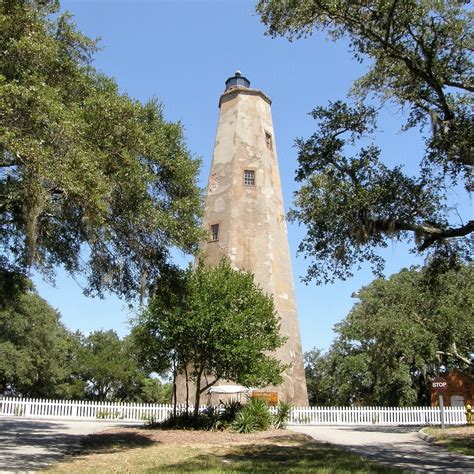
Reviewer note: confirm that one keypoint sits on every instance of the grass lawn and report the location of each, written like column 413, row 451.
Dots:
column 458, row 439
column 142, row 450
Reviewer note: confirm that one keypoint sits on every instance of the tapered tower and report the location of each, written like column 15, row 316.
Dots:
column 245, row 217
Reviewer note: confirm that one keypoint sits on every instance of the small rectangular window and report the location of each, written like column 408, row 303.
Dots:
column 214, row 232
column 249, row 177
column 268, row 141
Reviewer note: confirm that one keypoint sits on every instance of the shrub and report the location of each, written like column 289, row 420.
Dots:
column 242, row 418
column 185, row 420
column 209, row 419
column 282, row 415
column 244, row 422
column 230, row 410
column 253, row 416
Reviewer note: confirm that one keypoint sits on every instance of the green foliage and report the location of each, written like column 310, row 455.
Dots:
column 247, row 418
column 244, row 422
column 418, row 55
column 230, row 410
column 254, row 416
column 184, row 420
column 319, row 379
column 19, row 410
column 260, row 410
column 39, row 357
column 12, row 286
column 108, row 369
column 89, row 178
column 108, row 414
column 404, row 331
column 155, row 391
column 211, row 321
column 282, row 415
column 36, row 351
column 353, row 206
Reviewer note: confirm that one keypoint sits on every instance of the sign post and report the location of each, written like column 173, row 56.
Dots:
column 441, row 407
column 439, row 385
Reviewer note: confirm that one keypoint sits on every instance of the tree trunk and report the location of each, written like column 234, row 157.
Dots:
column 175, row 400
column 198, row 393
column 187, row 387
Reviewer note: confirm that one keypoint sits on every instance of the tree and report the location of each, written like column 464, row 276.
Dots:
column 156, row 391
column 39, row 357
column 337, row 377
column 36, row 351
column 420, row 60
column 319, row 380
column 90, row 179
column 404, row 331
column 212, row 324
column 108, row 369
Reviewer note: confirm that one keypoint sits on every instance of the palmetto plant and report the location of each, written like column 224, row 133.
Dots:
column 253, row 416
column 245, row 422
column 282, row 415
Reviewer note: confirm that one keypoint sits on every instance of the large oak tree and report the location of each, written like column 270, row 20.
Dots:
column 419, row 58
column 402, row 332
column 90, row 178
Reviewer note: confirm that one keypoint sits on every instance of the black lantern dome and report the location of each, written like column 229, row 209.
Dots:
column 236, row 80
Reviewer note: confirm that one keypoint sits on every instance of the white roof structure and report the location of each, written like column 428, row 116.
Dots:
column 229, row 389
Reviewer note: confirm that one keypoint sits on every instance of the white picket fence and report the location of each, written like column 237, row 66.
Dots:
column 395, row 416
column 84, row 410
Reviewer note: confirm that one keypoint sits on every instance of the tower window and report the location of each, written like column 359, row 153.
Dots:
column 268, row 141
column 249, row 177
column 214, row 232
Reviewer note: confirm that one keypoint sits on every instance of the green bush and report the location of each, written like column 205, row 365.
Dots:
column 255, row 416
column 210, row 419
column 230, row 410
column 244, row 422
column 282, row 415
column 185, row 420
column 261, row 412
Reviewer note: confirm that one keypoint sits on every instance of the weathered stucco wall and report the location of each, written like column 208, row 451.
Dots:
column 252, row 228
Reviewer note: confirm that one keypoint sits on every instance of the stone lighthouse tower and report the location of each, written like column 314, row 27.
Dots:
column 244, row 215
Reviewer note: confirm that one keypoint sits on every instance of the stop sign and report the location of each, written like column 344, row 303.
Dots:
column 439, row 384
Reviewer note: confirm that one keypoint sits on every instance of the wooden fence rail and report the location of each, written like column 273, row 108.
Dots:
column 85, row 410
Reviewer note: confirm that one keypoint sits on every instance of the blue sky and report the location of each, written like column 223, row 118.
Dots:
column 181, row 52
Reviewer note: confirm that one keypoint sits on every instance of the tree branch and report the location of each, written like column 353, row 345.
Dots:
column 389, row 22
column 433, row 233
column 457, row 356
column 396, row 52
column 439, row 234
column 460, row 85
column 210, row 384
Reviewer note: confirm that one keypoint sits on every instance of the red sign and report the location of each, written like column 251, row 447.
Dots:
column 439, row 384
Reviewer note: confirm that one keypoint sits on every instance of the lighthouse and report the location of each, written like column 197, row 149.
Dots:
column 245, row 219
